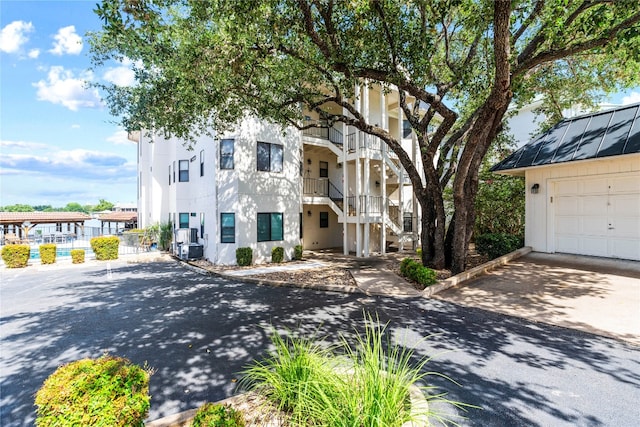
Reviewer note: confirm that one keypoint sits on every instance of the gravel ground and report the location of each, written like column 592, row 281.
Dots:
column 337, row 271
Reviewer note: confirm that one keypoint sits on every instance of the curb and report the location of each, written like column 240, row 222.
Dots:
column 474, row 272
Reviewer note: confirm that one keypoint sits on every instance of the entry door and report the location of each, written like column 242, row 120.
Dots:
column 598, row 216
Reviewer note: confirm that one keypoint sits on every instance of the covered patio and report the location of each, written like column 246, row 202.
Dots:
column 18, row 227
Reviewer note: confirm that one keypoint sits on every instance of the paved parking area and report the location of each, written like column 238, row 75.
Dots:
column 595, row 295
column 198, row 332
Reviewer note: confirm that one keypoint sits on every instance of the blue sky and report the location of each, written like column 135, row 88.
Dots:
column 58, row 143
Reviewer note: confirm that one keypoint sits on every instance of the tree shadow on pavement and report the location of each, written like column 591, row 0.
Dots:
column 198, row 332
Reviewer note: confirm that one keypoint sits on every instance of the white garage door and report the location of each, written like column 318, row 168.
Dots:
column 598, row 216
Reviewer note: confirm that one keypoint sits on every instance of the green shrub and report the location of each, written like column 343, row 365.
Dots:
column 414, row 270
column 216, row 415
column 277, row 254
column 297, row 252
column 244, row 256
column 47, row 253
column 105, row 247
column 77, row 256
column 495, row 245
column 108, row 391
column 16, row 256
column 166, row 236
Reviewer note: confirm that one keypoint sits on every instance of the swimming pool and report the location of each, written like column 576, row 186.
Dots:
column 60, row 252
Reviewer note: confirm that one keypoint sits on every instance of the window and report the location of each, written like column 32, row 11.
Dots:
column 227, row 228
column 324, row 170
column 406, row 129
column 169, row 174
column 174, row 171
column 324, row 219
column 184, row 220
column 301, row 225
column 269, row 157
column 183, row 176
column 202, row 163
column 270, row 227
column 202, row 224
column 407, row 222
column 226, row 153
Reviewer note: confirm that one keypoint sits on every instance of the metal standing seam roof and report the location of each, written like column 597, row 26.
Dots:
column 603, row 134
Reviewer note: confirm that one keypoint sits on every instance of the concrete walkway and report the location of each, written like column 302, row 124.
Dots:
column 591, row 294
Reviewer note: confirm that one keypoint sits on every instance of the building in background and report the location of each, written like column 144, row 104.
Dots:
column 330, row 186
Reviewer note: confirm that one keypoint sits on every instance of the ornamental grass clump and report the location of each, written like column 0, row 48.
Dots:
column 47, row 253
column 16, row 256
column 370, row 383
column 105, row 392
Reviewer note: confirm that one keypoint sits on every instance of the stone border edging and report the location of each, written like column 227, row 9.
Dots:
column 476, row 271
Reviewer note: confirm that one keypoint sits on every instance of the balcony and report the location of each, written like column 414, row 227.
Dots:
column 321, row 129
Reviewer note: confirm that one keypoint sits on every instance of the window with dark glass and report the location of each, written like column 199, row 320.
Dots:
column 169, row 174
column 269, row 157
column 183, row 176
column 270, row 227
column 227, row 228
column 406, row 129
column 407, row 222
column 174, row 171
column 202, row 163
column 184, row 220
column 226, row 153
column 301, row 225
column 324, row 169
column 324, row 219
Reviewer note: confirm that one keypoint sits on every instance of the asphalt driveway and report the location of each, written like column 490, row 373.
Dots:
column 596, row 295
column 198, row 332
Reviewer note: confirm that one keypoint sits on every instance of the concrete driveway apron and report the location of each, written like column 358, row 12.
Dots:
column 596, row 295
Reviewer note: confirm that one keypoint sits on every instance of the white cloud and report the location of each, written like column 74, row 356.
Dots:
column 13, row 36
column 67, row 41
column 632, row 98
column 75, row 126
column 24, row 145
column 34, row 53
column 120, row 76
column 120, row 137
column 62, row 87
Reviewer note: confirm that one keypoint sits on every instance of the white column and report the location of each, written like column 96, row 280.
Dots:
column 401, row 182
column 383, row 174
column 367, row 175
column 358, row 183
column 345, row 189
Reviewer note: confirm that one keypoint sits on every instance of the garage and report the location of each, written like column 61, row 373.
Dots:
column 598, row 216
column 583, row 185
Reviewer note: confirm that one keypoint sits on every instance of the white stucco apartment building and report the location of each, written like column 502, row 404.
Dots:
column 259, row 187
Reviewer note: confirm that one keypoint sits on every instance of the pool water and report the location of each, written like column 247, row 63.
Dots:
column 60, row 252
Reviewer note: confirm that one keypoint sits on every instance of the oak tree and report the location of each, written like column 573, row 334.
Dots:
column 458, row 66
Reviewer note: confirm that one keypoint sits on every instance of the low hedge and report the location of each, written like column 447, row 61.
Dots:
column 297, row 252
column 495, row 245
column 414, row 270
column 77, row 256
column 214, row 414
column 244, row 256
column 47, row 253
column 108, row 391
column 16, row 256
column 105, row 247
column 277, row 254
